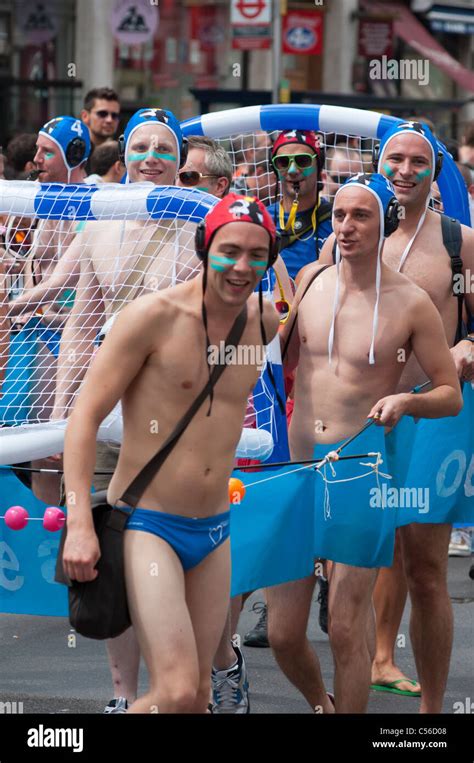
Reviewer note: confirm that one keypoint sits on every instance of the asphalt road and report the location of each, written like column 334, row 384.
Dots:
column 39, row 669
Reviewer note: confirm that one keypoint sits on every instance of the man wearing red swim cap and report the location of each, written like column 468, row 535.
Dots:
column 302, row 218
column 156, row 349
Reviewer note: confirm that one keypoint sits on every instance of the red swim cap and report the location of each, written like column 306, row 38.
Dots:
column 234, row 208
column 303, row 137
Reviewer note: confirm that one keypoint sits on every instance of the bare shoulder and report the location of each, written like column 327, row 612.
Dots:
column 467, row 251
column 309, row 271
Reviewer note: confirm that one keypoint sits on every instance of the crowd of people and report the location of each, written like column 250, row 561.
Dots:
column 347, row 240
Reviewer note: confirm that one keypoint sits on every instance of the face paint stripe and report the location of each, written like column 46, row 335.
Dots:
column 153, row 154
column 222, row 260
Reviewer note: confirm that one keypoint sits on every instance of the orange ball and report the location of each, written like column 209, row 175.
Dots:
column 236, row 490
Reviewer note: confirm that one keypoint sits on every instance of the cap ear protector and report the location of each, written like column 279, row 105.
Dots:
column 392, row 214
column 392, row 218
column 75, row 152
column 417, row 127
column 161, row 117
column 202, row 251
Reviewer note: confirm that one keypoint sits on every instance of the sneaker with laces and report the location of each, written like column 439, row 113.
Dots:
column 323, row 604
column 258, row 636
column 230, row 688
column 460, row 543
column 116, row 705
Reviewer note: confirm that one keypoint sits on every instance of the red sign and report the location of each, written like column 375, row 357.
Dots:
column 250, row 12
column 302, row 33
column 375, row 38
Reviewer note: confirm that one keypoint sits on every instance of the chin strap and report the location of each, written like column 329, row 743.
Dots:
column 280, row 402
column 208, row 342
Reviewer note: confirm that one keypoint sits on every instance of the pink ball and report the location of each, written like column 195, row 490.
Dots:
column 53, row 519
column 16, row 518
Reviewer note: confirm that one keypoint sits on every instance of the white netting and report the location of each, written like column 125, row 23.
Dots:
column 81, row 273
column 66, row 279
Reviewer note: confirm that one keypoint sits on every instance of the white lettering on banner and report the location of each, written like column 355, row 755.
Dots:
column 441, row 489
column 469, row 483
column 9, row 561
column 48, row 548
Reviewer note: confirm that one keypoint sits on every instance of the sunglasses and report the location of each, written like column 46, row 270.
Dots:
column 191, row 177
column 103, row 114
column 302, row 161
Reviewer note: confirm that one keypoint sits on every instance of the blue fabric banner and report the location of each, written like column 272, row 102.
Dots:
column 432, row 461
column 271, row 530
column 352, row 523
column 28, row 557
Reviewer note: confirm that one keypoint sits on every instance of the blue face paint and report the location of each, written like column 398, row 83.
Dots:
column 388, row 170
column 49, row 155
column 221, row 263
column 422, row 174
column 153, row 154
column 308, row 171
column 259, row 266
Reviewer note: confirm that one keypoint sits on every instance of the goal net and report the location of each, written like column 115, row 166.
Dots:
column 75, row 255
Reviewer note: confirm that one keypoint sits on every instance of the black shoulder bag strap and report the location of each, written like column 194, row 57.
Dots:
column 452, row 240
column 136, row 489
column 308, row 286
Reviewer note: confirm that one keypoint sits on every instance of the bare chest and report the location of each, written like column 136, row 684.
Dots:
column 428, row 264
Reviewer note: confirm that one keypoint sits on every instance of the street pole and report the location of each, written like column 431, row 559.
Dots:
column 276, row 50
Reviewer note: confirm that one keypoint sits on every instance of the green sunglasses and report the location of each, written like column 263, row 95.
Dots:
column 302, row 161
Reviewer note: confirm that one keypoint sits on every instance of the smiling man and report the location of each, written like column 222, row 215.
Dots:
column 155, row 349
column 410, row 157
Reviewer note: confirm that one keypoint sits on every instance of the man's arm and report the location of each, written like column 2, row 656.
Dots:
column 463, row 351
column 120, row 358
column 431, row 350
column 78, row 337
column 65, row 276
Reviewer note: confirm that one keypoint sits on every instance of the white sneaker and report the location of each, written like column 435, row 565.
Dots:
column 230, row 688
column 460, row 543
column 116, row 706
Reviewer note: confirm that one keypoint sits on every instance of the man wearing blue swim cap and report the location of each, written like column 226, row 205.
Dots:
column 153, row 147
column 62, row 149
column 408, row 155
column 359, row 329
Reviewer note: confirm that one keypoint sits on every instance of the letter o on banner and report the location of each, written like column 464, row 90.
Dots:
column 441, row 489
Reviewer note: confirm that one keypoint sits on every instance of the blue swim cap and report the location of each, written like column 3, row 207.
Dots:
column 159, row 116
column 381, row 188
column 413, row 128
column 72, row 138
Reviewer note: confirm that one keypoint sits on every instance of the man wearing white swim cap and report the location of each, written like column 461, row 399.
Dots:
column 409, row 156
column 359, row 328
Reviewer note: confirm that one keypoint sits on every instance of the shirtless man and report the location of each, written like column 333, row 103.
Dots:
column 155, row 349
column 408, row 155
column 364, row 211
column 109, row 251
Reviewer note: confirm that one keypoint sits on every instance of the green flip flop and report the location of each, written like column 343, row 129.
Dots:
column 392, row 687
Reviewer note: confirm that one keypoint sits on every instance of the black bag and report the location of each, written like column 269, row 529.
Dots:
column 99, row 609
